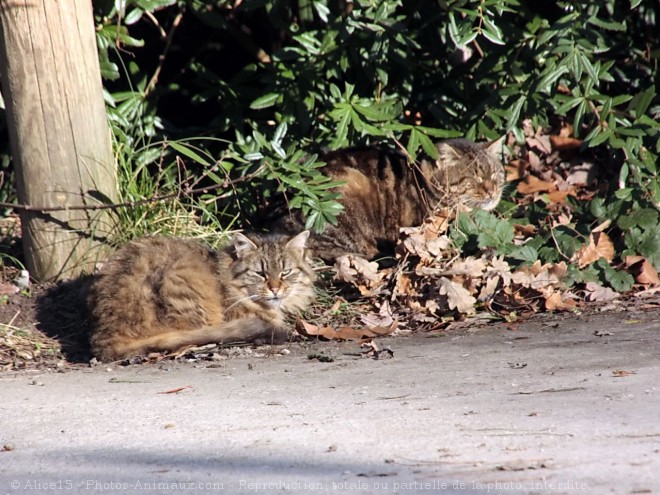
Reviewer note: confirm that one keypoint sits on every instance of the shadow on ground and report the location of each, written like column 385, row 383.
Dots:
column 61, row 313
column 167, row 471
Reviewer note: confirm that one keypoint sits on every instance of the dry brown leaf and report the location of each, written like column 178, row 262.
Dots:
column 539, row 276
column 311, row 330
column 563, row 89
column 427, row 246
column 528, row 230
column 343, row 333
column 361, row 273
column 642, row 270
column 457, row 296
column 558, row 270
column 566, row 129
column 489, row 288
column 540, row 142
column 600, row 246
column 470, row 266
column 371, row 350
column 594, row 292
column 350, row 266
column 404, row 285
column 601, row 227
column 555, row 301
column 499, row 269
column 559, row 197
column 562, row 143
column 583, row 174
column 561, row 219
column 515, row 169
column 384, row 317
column 337, row 304
column 532, row 184
column 623, row 373
column 436, row 224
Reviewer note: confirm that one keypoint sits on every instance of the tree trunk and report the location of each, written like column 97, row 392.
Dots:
column 58, row 129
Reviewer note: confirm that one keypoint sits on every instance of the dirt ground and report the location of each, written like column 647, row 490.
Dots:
column 559, row 404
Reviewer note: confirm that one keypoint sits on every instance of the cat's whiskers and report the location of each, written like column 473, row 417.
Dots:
column 253, row 297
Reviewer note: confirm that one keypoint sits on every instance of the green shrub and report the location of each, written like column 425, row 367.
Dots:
column 201, row 94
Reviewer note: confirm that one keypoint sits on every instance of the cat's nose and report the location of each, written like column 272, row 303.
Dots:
column 275, row 287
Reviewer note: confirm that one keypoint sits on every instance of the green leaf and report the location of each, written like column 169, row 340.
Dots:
column 579, row 114
column 598, row 208
column 265, row 101
column 598, row 136
column 439, row 133
column 494, row 36
column 525, row 253
column 278, row 150
column 586, row 64
column 413, row 143
column 427, row 145
column 608, row 25
column 133, row 16
column 569, row 104
column 544, row 84
column 514, row 114
column 280, row 132
column 152, row 5
column 624, row 193
column 619, row 280
column 641, row 101
column 376, row 113
column 186, row 151
column 646, row 218
column 341, row 132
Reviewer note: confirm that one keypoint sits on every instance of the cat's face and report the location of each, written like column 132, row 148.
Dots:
column 471, row 174
column 274, row 270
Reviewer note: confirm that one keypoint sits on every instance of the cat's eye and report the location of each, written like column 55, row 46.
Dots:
column 286, row 272
column 259, row 274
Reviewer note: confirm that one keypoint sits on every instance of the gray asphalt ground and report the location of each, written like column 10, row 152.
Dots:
column 566, row 404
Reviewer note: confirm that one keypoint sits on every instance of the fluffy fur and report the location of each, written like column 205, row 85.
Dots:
column 158, row 294
column 383, row 192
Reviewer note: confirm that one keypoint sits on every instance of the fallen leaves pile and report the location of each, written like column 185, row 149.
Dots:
column 432, row 287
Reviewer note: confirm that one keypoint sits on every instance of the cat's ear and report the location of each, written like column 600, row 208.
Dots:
column 446, row 152
column 447, row 155
column 495, row 148
column 242, row 245
column 298, row 242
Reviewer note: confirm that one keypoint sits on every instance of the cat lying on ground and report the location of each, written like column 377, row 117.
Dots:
column 158, row 294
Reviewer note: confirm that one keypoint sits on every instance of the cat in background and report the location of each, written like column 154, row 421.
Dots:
column 159, row 294
column 383, row 192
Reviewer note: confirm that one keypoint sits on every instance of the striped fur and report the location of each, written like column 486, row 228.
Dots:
column 159, row 293
column 382, row 192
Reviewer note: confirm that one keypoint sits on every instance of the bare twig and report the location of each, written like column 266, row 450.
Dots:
column 168, row 43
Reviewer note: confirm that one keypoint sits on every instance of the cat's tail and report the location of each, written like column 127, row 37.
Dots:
column 234, row 331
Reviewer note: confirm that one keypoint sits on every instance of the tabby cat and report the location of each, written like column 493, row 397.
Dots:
column 383, row 193
column 158, row 294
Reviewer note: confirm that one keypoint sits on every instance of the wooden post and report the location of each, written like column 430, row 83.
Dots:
column 60, row 138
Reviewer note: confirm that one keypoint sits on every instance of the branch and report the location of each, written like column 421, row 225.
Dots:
column 113, row 206
column 168, row 43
